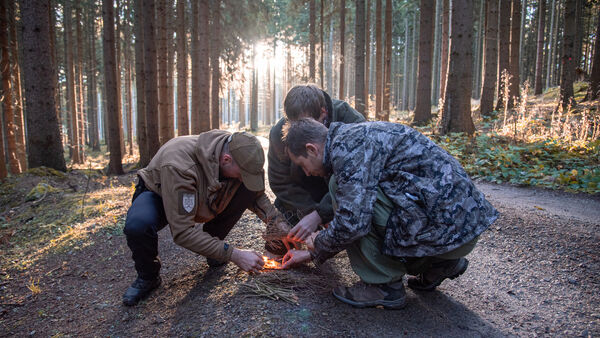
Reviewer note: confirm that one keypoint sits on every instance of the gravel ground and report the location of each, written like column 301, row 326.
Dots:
column 535, row 272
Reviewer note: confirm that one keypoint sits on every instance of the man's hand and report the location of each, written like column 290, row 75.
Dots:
column 310, row 241
column 307, row 225
column 294, row 257
column 247, row 260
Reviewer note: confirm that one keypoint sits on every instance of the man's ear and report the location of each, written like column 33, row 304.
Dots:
column 323, row 115
column 312, row 149
column 226, row 159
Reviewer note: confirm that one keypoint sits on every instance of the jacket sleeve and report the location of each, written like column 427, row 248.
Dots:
column 357, row 176
column 288, row 192
column 178, row 192
column 264, row 209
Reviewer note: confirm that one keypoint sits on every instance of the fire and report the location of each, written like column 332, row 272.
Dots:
column 271, row 263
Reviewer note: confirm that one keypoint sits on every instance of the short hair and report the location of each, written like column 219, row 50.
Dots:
column 296, row 134
column 304, row 101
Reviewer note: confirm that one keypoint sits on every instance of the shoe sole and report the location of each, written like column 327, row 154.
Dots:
column 145, row 295
column 387, row 304
column 431, row 287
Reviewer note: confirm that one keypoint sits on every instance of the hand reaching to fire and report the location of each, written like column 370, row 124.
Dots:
column 307, row 225
column 247, row 260
column 294, row 257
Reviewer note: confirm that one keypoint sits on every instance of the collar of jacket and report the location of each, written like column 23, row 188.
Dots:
column 208, row 149
column 330, row 112
column 327, row 148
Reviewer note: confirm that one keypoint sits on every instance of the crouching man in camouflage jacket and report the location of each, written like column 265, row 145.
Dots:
column 402, row 205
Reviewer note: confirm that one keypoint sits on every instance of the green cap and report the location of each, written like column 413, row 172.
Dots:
column 250, row 157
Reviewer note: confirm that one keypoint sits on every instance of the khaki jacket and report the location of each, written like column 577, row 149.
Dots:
column 185, row 173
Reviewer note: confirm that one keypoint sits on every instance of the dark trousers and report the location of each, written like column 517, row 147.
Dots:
column 146, row 217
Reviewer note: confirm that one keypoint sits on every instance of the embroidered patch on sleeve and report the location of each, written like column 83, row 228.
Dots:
column 187, row 202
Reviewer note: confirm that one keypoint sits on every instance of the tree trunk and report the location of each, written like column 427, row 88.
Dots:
column 367, row 56
column 515, row 57
column 151, row 84
column 578, row 39
column 539, row 61
column 479, row 51
column 254, row 94
column 567, row 73
column 16, row 73
column 115, row 166
column 405, row 67
column 162, row 55
column 551, row 46
column 378, row 60
column 359, row 57
column 456, row 113
column 387, row 72
column 71, row 98
column 592, row 93
column 342, row 46
column 491, row 59
column 413, row 61
column 170, row 70
column 140, row 84
column 321, row 63
column 215, row 54
column 312, row 39
column 426, row 26
column 445, row 45
column 503, row 49
column 43, row 133
column 92, row 98
column 79, row 84
column 7, row 98
column 437, row 46
column 182, row 71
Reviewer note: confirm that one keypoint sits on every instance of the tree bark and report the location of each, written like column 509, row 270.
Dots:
column 70, row 77
column 182, row 71
column 16, row 73
column 151, row 84
column 162, row 55
column 503, row 49
column 378, row 60
column 539, row 61
column 367, row 56
column 491, row 59
column 551, row 46
column 115, row 166
column 140, row 87
column 342, row 46
column 7, row 99
column 445, row 44
column 456, row 113
column 215, row 54
column 568, row 61
column 359, row 57
column 43, row 133
column 312, row 15
column 592, row 93
column 387, row 74
column 254, row 93
column 515, row 57
column 426, row 26
column 79, row 84
column 321, row 61
column 91, row 77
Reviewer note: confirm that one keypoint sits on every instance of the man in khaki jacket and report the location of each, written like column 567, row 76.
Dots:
column 211, row 178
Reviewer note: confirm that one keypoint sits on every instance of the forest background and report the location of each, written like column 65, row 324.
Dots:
column 78, row 75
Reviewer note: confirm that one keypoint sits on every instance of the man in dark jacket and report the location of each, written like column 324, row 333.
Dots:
column 402, row 205
column 303, row 200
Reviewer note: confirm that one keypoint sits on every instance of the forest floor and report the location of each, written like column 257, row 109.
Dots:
column 63, row 269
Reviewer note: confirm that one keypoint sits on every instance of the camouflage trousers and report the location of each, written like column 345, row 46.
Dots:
column 374, row 267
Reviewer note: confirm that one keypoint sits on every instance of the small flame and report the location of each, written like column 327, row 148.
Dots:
column 271, row 263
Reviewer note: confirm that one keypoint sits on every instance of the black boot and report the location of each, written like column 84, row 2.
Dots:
column 139, row 290
column 430, row 279
column 213, row 263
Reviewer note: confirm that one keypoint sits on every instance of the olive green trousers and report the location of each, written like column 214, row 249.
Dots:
column 374, row 267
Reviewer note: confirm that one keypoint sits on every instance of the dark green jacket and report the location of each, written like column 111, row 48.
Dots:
column 296, row 194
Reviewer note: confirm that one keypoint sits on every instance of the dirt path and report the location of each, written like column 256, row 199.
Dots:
column 536, row 271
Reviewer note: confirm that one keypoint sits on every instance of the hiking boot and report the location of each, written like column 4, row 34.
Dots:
column 430, row 279
column 139, row 290
column 391, row 296
column 213, row 263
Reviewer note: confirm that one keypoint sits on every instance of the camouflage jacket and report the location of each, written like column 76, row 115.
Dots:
column 437, row 208
column 295, row 192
